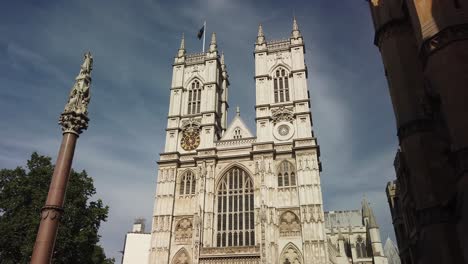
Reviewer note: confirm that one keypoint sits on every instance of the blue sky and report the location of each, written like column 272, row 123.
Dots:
column 133, row 44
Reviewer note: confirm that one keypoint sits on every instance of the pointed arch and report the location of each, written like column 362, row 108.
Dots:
column 235, row 224
column 289, row 224
column 187, row 183
column 278, row 65
column 197, row 77
column 229, row 167
column 194, row 93
column 291, row 255
column 181, row 257
column 286, row 174
column 281, row 86
column 361, row 249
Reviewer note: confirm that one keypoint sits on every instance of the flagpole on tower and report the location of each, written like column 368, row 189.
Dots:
column 204, row 34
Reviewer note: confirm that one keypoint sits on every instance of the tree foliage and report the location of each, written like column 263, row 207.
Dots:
column 22, row 195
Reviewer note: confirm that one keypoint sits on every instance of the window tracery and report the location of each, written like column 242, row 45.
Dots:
column 194, row 98
column 290, row 255
column 281, row 85
column 290, row 225
column 188, row 184
column 286, row 174
column 237, row 133
column 182, row 257
column 361, row 249
column 235, row 210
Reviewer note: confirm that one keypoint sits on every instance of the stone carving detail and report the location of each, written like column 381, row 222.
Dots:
column 290, row 225
column 183, row 231
column 442, row 39
column 282, row 114
column 182, row 257
column 291, row 255
column 74, row 118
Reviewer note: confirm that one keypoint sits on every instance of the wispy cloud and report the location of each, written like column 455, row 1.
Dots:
column 134, row 44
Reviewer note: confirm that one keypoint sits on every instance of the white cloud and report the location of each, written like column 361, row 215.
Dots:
column 133, row 46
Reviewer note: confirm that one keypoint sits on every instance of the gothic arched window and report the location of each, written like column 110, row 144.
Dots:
column 237, row 133
column 286, row 174
column 281, row 85
column 194, row 98
column 188, row 184
column 361, row 247
column 235, row 210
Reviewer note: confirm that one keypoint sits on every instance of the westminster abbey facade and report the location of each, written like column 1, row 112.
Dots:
column 226, row 195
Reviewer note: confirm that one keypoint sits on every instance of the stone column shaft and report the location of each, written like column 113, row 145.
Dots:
column 73, row 120
column 442, row 34
column 422, row 138
column 53, row 209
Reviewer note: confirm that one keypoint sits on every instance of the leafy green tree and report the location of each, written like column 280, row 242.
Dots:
column 23, row 193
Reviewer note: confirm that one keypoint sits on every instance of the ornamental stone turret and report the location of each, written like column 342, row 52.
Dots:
column 181, row 52
column 260, row 44
column 213, row 45
column 296, row 36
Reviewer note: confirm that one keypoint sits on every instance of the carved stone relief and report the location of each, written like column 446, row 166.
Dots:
column 290, row 225
column 183, row 231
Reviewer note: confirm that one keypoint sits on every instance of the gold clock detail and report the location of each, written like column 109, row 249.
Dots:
column 190, row 139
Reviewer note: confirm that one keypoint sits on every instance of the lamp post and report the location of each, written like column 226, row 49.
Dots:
column 73, row 120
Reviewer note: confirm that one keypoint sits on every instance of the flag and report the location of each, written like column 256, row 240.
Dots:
column 200, row 32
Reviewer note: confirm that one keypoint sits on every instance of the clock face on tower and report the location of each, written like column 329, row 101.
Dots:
column 190, row 139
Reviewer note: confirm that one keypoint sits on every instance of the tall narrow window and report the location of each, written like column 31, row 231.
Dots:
column 281, row 86
column 237, row 133
column 235, row 217
column 194, row 98
column 187, row 184
column 361, row 247
column 286, row 174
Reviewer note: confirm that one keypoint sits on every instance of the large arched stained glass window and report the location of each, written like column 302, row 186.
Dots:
column 194, row 98
column 235, row 210
column 281, row 85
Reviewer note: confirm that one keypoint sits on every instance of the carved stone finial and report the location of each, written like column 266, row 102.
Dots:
column 74, row 118
column 295, row 31
column 260, row 35
column 213, row 46
column 181, row 51
column 182, row 42
column 222, row 58
column 238, row 111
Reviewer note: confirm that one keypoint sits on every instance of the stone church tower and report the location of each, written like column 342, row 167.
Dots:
column 225, row 195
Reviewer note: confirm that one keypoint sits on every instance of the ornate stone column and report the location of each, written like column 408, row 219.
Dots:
column 422, row 135
column 442, row 31
column 73, row 120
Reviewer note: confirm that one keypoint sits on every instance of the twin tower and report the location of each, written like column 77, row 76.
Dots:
column 224, row 194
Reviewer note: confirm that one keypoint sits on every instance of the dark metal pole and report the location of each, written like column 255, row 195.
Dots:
column 74, row 120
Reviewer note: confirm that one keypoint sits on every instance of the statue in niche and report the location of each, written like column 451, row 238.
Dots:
column 202, row 170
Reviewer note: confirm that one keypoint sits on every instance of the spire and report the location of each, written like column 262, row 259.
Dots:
column 365, row 208
column 181, row 51
column 213, row 46
column 372, row 220
column 260, row 35
column 182, row 42
column 238, row 111
column 295, row 30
